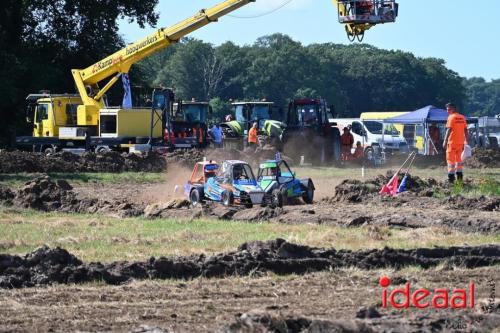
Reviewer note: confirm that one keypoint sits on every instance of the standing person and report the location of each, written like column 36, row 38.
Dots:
column 252, row 137
column 454, row 142
column 216, row 133
column 434, row 136
column 359, row 152
column 347, row 140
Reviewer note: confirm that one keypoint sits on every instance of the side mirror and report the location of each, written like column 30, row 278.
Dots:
column 28, row 120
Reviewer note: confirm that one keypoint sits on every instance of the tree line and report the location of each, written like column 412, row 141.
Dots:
column 41, row 41
column 353, row 78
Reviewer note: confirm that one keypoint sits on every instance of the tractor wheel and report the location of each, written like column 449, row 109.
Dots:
column 277, row 199
column 49, row 150
column 227, row 198
column 102, row 149
column 308, row 196
column 195, row 197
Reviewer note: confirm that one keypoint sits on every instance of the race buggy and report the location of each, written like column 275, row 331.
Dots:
column 202, row 172
column 233, row 184
column 280, row 183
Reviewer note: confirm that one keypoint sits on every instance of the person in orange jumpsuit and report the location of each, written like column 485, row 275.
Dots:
column 454, row 142
column 347, row 140
column 252, row 137
column 359, row 152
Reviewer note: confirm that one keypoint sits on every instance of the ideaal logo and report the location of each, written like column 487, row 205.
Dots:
column 400, row 298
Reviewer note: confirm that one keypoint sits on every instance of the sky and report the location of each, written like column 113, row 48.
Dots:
column 463, row 33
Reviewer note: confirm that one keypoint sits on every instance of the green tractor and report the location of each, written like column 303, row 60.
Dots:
column 244, row 114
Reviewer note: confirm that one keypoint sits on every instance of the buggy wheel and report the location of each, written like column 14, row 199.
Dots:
column 284, row 196
column 277, row 199
column 227, row 198
column 195, row 197
column 308, row 196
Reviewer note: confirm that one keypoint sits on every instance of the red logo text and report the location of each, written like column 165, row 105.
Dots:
column 422, row 298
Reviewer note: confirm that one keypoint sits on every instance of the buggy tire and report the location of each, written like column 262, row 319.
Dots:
column 284, row 196
column 195, row 197
column 227, row 198
column 308, row 195
column 277, row 199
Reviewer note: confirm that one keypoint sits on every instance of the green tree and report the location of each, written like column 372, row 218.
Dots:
column 42, row 40
column 483, row 98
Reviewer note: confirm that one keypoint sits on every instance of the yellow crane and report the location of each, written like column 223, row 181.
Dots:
column 68, row 121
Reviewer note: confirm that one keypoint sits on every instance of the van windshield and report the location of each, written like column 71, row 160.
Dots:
column 375, row 127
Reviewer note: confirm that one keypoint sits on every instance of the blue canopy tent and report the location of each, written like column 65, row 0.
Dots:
column 425, row 116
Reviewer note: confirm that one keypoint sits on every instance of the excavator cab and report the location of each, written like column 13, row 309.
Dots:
column 360, row 15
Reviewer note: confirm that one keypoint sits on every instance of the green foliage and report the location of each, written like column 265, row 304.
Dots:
column 483, row 98
column 354, row 78
column 41, row 41
column 220, row 109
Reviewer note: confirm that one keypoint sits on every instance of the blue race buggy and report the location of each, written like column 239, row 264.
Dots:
column 280, row 183
column 234, row 184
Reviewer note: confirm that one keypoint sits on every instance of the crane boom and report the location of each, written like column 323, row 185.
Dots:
column 61, row 119
column 87, row 79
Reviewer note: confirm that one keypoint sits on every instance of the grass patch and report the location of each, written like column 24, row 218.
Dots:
column 355, row 173
column 94, row 237
column 484, row 187
column 87, row 177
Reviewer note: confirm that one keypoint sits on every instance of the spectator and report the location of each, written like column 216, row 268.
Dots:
column 252, row 137
column 347, row 140
column 216, row 134
column 358, row 152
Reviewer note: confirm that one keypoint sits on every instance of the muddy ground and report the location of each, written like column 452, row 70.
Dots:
column 354, row 204
column 115, row 162
column 18, row 161
column 46, row 266
column 260, row 287
column 250, row 304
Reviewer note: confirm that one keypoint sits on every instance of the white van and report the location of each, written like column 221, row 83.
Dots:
column 369, row 133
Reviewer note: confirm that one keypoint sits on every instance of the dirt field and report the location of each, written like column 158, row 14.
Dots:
column 204, row 284
column 205, row 305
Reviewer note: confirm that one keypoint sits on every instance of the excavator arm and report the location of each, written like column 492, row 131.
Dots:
column 87, row 80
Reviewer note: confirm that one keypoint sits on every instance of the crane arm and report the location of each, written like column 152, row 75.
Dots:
column 113, row 66
column 121, row 61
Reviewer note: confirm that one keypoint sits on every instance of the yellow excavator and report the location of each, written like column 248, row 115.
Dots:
column 85, row 121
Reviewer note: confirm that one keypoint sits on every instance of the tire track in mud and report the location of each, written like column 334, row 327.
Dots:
column 46, row 266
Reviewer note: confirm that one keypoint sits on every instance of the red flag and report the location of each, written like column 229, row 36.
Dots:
column 391, row 188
